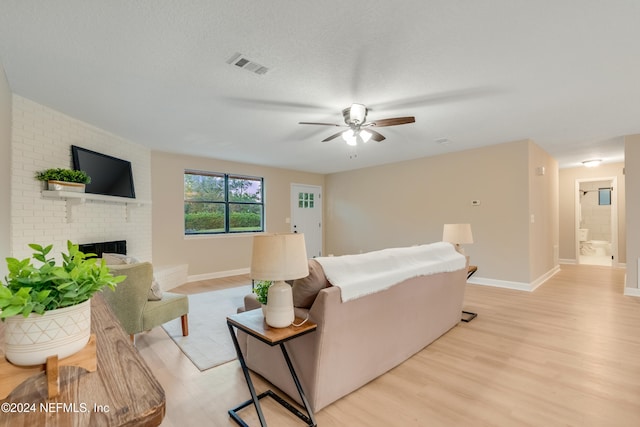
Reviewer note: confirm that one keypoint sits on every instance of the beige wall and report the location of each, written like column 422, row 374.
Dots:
column 567, row 205
column 213, row 255
column 632, row 167
column 407, row 203
column 543, row 212
column 5, row 170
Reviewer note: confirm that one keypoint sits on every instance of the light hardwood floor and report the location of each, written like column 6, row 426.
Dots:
column 567, row 354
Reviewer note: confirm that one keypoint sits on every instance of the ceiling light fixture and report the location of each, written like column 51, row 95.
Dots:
column 352, row 137
column 358, row 112
column 365, row 135
column 592, row 163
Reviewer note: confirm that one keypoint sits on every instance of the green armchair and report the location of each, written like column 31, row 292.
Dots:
column 131, row 306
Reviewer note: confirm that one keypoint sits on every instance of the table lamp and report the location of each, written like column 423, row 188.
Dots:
column 458, row 234
column 279, row 257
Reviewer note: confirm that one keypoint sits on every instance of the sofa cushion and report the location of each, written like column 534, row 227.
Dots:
column 155, row 293
column 306, row 289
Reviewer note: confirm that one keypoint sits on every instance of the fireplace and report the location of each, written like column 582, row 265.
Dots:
column 98, row 248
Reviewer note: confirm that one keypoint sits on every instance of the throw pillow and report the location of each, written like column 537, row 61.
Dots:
column 113, row 259
column 306, row 290
column 155, row 293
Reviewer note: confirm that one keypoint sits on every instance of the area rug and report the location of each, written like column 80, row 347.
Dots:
column 209, row 343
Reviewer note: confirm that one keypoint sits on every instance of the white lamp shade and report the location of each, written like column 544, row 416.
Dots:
column 458, row 234
column 279, row 257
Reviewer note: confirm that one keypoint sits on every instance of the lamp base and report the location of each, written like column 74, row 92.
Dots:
column 279, row 305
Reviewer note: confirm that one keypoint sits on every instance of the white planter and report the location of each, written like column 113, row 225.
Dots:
column 65, row 186
column 63, row 332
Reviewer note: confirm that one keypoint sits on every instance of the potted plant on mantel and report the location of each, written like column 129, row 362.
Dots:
column 60, row 179
column 47, row 309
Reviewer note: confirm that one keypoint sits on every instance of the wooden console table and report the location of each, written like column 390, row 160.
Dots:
column 123, row 390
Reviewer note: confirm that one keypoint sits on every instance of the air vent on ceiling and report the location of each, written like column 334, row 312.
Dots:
column 239, row 60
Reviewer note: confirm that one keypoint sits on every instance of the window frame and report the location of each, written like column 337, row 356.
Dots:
column 227, row 202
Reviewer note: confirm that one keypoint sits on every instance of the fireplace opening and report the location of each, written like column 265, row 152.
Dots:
column 98, row 248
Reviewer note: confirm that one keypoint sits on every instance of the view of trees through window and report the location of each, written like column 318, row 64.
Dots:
column 222, row 203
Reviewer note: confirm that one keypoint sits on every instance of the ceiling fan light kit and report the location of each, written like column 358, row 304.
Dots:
column 365, row 135
column 357, row 114
column 352, row 138
column 349, row 137
column 355, row 118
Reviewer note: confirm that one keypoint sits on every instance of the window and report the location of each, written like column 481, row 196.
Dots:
column 604, row 196
column 222, row 203
column 305, row 200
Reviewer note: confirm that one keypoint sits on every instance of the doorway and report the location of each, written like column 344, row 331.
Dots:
column 306, row 216
column 596, row 221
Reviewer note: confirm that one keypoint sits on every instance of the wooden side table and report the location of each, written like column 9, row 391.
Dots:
column 252, row 322
column 471, row 270
column 468, row 316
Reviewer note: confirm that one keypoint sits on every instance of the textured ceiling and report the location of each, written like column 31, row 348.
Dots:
column 562, row 73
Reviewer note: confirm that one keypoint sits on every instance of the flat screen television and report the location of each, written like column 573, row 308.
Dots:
column 109, row 175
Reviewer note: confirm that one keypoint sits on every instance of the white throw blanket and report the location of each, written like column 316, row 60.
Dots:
column 363, row 274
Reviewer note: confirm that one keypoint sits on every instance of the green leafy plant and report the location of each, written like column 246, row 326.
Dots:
column 31, row 289
column 65, row 175
column 261, row 289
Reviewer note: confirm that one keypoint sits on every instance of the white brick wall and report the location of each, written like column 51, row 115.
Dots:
column 42, row 139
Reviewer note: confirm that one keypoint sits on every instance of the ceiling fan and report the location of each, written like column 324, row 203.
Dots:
column 355, row 119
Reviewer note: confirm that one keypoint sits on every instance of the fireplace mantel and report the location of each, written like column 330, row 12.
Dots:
column 73, row 199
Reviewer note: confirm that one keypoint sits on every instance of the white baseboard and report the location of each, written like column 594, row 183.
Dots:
column 632, row 292
column 519, row 286
column 575, row 262
column 217, row 274
column 540, row 280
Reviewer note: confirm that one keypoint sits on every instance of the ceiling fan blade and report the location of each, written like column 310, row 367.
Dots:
column 393, row 122
column 376, row 136
column 319, row 124
column 274, row 105
column 460, row 95
column 335, row 135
